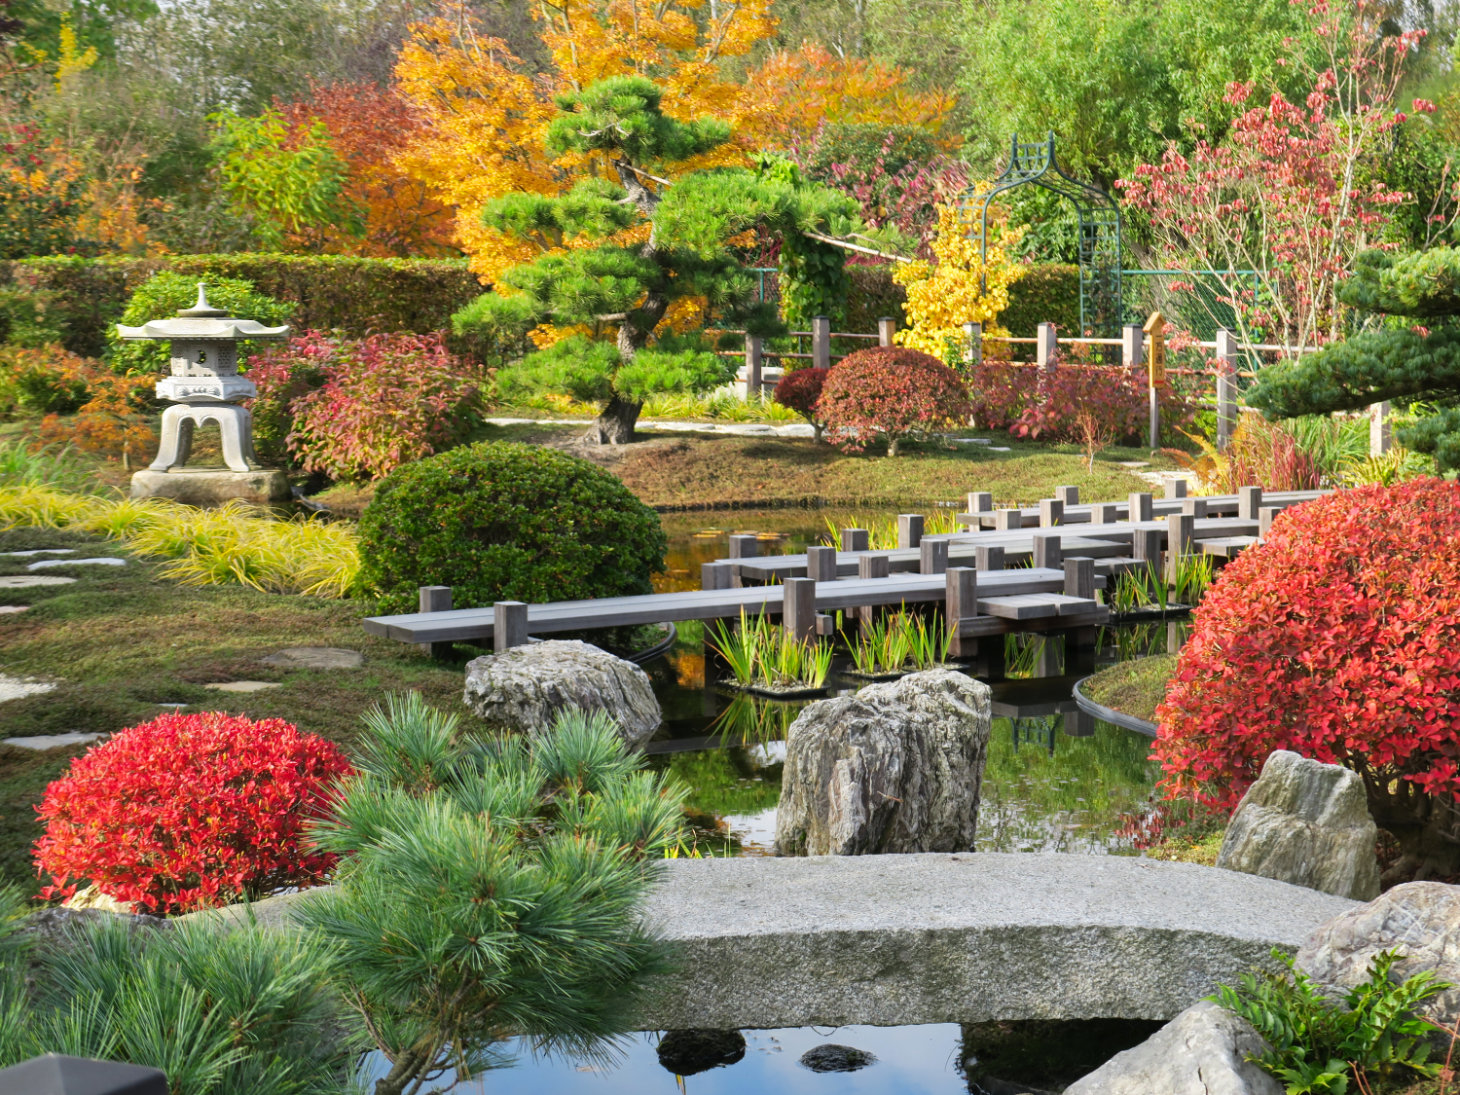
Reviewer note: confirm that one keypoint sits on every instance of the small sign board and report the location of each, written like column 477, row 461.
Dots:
column 1155, row 328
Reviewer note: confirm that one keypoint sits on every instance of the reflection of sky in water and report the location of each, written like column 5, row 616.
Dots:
column 920, row 1060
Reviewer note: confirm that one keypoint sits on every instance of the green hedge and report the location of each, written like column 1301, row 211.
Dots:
column 1048, row 293
column 77, row 298
column 873, row 294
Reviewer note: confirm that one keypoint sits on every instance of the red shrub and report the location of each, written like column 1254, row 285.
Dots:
column 800, row 390
column 892, row 393
column 367, row 406
column 189, row 812
column 1337, row 638
column 1037, row 403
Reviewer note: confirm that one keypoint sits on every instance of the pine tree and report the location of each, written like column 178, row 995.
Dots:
column 618, row 256
column 1412, row 355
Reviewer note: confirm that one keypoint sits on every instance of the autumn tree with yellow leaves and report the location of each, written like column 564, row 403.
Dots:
column 959, row 286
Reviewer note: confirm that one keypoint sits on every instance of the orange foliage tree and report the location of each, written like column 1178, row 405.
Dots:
column 796, row 91
column 369, row 128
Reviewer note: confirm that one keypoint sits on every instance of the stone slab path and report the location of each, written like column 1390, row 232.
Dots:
column 29, row 581
column 243, row 686
column 15, row 688
column 316, row 657
column 42, row 742
column 46, row 564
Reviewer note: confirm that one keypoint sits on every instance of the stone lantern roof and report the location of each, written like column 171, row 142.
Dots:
column 202, row 323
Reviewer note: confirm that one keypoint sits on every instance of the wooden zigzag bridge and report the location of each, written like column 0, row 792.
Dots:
column 1031, row 569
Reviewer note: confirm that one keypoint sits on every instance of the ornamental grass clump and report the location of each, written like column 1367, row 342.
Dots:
column 890, row 394
column 491, row 887
column 1338, row 637
column 189, row 812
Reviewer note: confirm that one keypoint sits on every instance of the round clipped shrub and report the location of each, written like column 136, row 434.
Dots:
column 163, row 294
column 890, row 393
column 190, row 811
column 501, row 521
column 799, row 390
column 1338, row 637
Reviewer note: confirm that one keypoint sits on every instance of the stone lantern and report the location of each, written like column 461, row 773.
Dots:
column 205, row 387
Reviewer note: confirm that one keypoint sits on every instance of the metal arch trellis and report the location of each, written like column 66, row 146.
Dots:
column 1101, row 313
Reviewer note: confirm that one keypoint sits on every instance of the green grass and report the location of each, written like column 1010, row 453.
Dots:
column 122, row 640
column 1133, row 688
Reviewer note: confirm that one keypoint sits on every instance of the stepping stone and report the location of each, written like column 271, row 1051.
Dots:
column 38, row 551
column 970, row 441
column 6, row 610
column 1000, row 448
column 26, row 581
column 47, row 563
column 1135, row 463
column 316, row 657
column 42, row 742
column 15, row 688
column 243, row 686
column 172, row 705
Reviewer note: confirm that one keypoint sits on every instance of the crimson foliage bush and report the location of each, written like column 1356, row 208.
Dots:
column 357, row 409
column 190, row 811
column 890, row 393
column 1338, row 638
column 1044, row 404
column 800, row 390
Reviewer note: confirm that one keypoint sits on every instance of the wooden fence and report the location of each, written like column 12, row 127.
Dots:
column 1135, row 344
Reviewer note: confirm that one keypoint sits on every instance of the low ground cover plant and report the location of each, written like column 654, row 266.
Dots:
column 189, row 811
column 890, row 394
column 762, row 654
column 1070, row 403
column 502, row 521
column 1317, row 1045
column 1337, row 637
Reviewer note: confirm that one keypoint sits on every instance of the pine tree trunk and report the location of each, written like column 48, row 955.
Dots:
column 615, row 426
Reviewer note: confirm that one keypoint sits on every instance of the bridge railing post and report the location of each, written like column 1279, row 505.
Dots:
column 798, row 609
column 509, row 625
column 1048, row 552
column 961, row 603
column 821, row 563
column 435, row 599
column 910, row 529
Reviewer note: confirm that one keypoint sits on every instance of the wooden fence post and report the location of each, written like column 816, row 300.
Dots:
column 933, row 557
column 1175, row 488
column 1179, row 530
column 1051, row 512
column 961, row 603
column 1249, row 503
column 1155, row 327
column 1008, row 520
column 1106, row 513
column 1226, row 387
column 821, row 563
column 1197, row 507
column 910, row 529
column 980, row 501
column 1047, row 346
column 870, row 566
column 856, row 539
column 1070, row 496
column 716, row 575
column 1133, row 349
column 1080, row 578
column 1381, row 434
column 1048, row 552
column 509, row 625
column 754, row 359
column 989, row 557
column 798, row 608
column 1139, row 507
column 886, row 328
column 435, row 599
column 1265, row 517
column 973, row 345
column 821, row 342
column 743, row 546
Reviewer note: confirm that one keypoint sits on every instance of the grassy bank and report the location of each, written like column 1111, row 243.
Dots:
column 120, row 642
column 1133, row 688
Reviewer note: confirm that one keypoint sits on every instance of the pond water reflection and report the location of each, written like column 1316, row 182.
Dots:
column 1056, row 780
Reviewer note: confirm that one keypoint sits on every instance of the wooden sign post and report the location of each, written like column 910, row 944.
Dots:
column 1155, row 328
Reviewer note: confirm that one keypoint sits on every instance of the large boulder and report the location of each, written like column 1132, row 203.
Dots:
column 524, row 689
column 895, row 767
column 1306, row 823
column 1203, row 1051
column 1421, row 920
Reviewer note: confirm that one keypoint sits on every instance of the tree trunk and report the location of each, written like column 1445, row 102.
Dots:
column 615, row 426
column 1428, row 831
column 892, row 446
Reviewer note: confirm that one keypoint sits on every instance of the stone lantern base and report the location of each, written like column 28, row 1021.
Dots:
column 212, row 486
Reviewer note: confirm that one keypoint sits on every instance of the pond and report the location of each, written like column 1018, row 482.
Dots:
column 1056, row 780
column 935, row 1059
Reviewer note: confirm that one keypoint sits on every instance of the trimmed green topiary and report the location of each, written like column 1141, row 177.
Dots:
column 501, row 521
column 162, row 295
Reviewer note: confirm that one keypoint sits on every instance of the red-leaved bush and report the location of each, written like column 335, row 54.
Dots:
column 368, row 405
column 1337, row 638
column 189, row 811
column 1047, row 403
column 891, row 393
column 799, row 390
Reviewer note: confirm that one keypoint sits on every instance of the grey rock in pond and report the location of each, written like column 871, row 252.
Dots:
column 895, row 767
column 1421, row 920
column 1203, row 1051
column 525, row 688
column 315, row 657
column 58, row 928
column 836, row 1058
column 1307, row 823
column 689, row 1052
